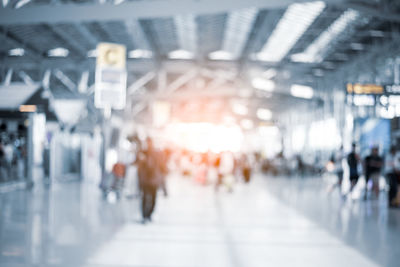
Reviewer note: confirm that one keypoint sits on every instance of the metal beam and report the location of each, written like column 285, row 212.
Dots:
column 134, row 9
column 65, row 80
column 182, row 80
column 8, row 78
column 26, row 78
column 83, row 82
column 140, row 82
column 46, row 79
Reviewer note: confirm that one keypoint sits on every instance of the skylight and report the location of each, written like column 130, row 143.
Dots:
column 293, row 24
column 316, row 51
column 238, row 27
column 186, row 29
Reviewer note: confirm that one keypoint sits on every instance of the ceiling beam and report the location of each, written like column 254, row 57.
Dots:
column 135, row 9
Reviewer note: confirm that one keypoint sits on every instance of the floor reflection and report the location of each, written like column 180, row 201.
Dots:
column 259, row 224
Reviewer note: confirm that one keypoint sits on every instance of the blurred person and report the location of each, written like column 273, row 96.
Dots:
column 3, row 164
column 164, row 158
column 391, row 174
column 373, row 166
column 246, row 169
column 353, row 160
column 220, row 176
column 337, row 159
column 149, row 177
column 300, row 165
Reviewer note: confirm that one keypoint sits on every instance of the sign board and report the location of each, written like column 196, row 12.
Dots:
column 393, row 89
column 364, row 89
column 110, row 86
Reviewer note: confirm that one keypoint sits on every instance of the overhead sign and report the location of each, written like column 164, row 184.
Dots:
column 364, row 89
column 393, row 89
column 110, row 87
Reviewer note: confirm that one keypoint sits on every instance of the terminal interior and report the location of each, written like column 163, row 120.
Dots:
column 272, row 128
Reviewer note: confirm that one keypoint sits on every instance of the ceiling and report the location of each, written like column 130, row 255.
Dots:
column 227, row 43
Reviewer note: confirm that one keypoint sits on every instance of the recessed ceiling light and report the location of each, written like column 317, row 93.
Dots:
column 301, row 91
column 16, row 52
column 264, row 114
column 140, row 53
column 263, row 84
column 239, row 109
column 58, row 52
column 247, row 124
column 221, row 55
column 180, row 54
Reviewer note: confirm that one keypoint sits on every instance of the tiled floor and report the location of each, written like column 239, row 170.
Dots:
column 256, row 225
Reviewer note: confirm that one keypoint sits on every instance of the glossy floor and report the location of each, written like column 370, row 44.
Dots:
column 269, row 222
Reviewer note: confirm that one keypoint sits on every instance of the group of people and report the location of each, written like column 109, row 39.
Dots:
column 372, row 166
column 151, row 165
column 12, row 158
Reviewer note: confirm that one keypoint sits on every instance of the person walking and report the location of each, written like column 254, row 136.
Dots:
column 373, row 167
column 353, row 160
column 391, row 175
column 149, row 177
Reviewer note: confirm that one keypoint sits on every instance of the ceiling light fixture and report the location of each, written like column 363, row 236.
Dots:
column 301, row 91
column 58, row 52
column 221, row 55
column 239, row 109
column 180, row 54
column 264, row 114
column 263, row 84
column 140, row 53
column 16, row 52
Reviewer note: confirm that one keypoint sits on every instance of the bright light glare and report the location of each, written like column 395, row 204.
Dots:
column 221, row 55
column 180, row 54
column 324, row 134
column 203, row 137
column 301, row 91
column 239, row 109
column 16, row 52
column 140, row 53
column 92, row 53
column 263, row 84
column 264, row 114
column 247, row 124
column 58, row 52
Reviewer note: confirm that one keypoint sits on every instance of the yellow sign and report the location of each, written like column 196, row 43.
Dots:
column 361, row 89
column 111, row 56
column 27, row 108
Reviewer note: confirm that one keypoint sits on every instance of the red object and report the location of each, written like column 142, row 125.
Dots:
column 119, row 170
